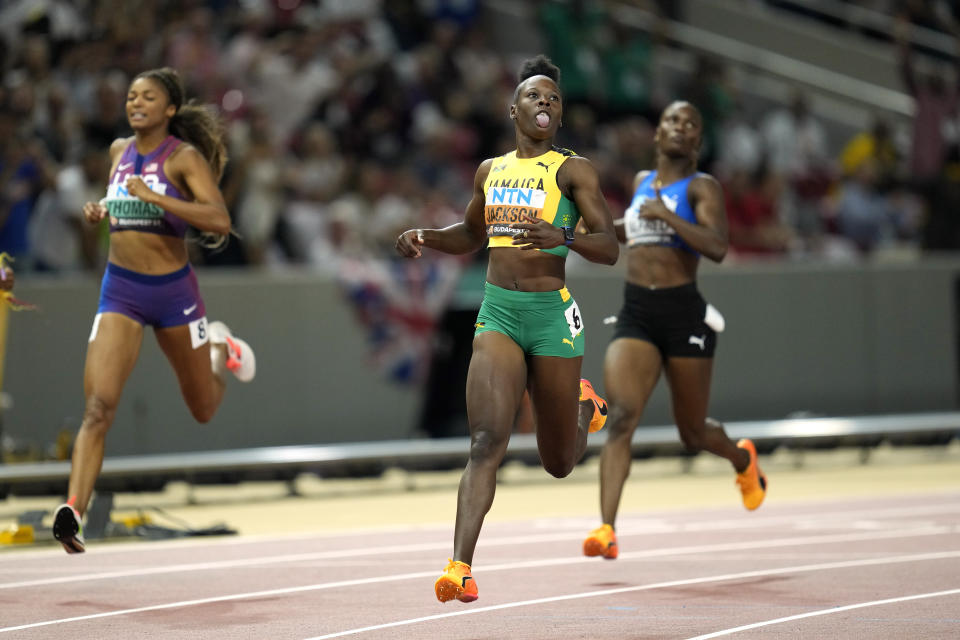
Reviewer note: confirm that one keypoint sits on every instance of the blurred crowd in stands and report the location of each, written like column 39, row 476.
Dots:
column 350, row 120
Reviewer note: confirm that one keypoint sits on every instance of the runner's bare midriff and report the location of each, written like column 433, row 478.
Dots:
column 519, row 270
column 660, row 267
column 147, row 252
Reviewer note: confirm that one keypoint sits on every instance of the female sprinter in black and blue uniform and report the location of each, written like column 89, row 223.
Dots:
column 529, row 332
column 162, row 180
column 677, row 214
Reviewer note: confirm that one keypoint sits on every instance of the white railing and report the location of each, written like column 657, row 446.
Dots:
column 797, row 433
column 790, row 70
column 775, row 64
column 864, row 18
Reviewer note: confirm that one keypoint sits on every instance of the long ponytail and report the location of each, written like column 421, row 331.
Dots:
column 199, row 125
column 194, row 123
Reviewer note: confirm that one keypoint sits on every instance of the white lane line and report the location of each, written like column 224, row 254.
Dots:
column 285, row 558
column 138, row 546
column 235, row 596
column 826, row 519
column 499, row 567
column 658, row 523
column 795, row 541
column 645, row 526
column 823, row 612
column 659, row 585
column 228, row 564
column 491, row 542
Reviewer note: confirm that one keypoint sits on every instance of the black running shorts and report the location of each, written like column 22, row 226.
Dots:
column 672, row 319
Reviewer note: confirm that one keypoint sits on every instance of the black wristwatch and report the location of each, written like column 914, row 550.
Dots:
column 567, row 235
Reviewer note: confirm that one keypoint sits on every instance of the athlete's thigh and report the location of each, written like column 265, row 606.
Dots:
column 554, row 385
column 631, row 369
column 112, row 352
column 495, row 382
column 689, row 380
column 187, row 347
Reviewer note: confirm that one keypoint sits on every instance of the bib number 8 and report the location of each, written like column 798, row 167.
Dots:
column 198, row 332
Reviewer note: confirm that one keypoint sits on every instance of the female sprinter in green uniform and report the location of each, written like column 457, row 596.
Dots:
column 529, row 332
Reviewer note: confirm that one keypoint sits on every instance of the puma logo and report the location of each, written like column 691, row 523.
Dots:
column 546, row 167
column 670, row 202
column 699, row 341
column 569, row 342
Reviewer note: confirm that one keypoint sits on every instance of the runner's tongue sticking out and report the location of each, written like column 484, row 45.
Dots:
column 543, row 120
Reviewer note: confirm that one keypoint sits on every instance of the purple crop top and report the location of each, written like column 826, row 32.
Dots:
column 129, row 213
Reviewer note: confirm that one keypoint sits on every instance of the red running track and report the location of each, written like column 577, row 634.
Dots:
column 866, row 568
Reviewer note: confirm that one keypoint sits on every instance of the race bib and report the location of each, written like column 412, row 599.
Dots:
column 507, row 205
column 574, row 319
column 199, row 335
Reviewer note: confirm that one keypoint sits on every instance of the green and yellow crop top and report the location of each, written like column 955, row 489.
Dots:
column 526, row 186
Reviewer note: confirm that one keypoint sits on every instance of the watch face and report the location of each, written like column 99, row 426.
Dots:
column 568, row 234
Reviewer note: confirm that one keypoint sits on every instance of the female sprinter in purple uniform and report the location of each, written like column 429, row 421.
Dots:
column 529, row 332
column 162, row 180
column 665, row 326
